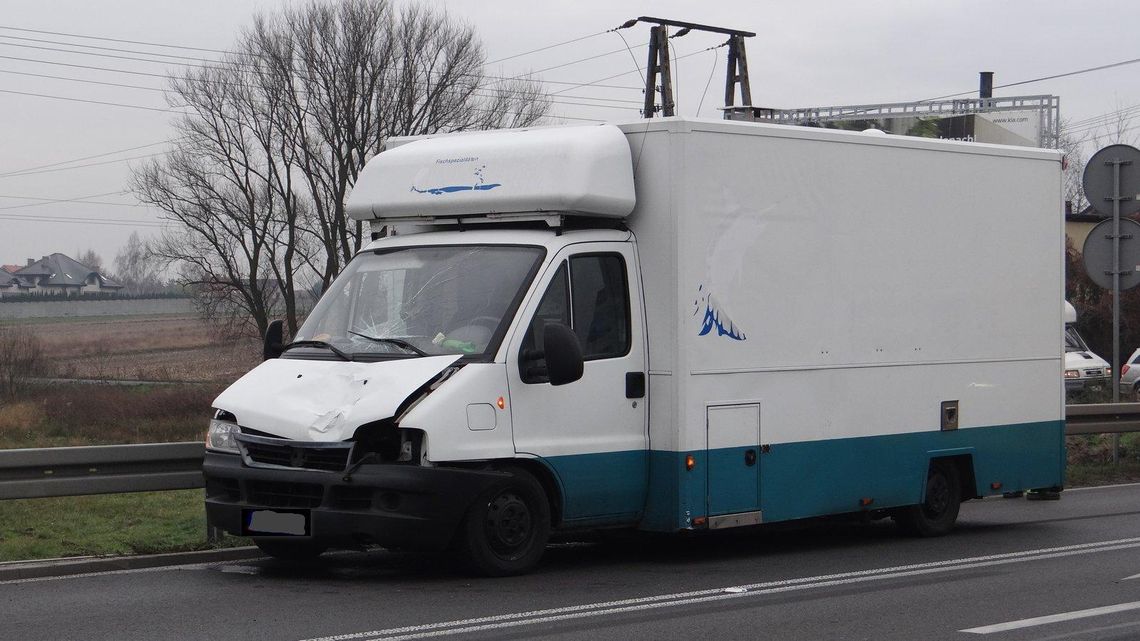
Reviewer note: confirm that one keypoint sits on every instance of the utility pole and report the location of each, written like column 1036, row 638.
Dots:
column 659, row 75
column 737, row 73
column 658, row 65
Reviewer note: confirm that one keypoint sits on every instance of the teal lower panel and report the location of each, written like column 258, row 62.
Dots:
column 800, row 480
column 815, row 478
column 605, row 488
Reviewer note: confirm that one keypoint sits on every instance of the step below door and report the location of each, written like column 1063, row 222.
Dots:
column 733, row 458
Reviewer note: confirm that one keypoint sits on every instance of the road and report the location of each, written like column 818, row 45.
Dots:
column 1013, row 570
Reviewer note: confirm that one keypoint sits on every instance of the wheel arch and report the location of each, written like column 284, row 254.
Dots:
column 962, row 461
column 545, row 476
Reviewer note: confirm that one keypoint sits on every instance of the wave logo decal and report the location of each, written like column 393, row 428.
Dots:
column 480, row 185
column 714, row 318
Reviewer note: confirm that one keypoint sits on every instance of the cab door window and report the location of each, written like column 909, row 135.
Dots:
column 600, row 305
column 589, row 294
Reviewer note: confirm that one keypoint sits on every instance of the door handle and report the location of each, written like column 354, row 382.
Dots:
column 635, row 384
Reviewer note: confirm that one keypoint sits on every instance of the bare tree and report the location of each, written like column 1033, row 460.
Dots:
column 279, row 130
column 1115, row 127
column 1072, row 145
column 135, row 268
column 91, row 259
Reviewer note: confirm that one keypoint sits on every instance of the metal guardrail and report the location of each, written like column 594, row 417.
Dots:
column 112, row 469
column 1102, row 418
column 100, row 469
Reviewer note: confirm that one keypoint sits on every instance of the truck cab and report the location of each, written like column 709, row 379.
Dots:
column 434, row 375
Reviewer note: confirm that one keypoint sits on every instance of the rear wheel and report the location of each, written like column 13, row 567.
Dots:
column 938, row 511
column 506, row 530
column 290, row 550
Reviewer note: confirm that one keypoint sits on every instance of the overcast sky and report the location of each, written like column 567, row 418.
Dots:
column 805, row 54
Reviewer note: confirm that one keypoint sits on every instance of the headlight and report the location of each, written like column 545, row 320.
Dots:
column 1072, row 373
column 221, row 435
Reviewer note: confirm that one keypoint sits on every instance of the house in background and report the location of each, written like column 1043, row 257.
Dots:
column 10, row 284
column 55, row 274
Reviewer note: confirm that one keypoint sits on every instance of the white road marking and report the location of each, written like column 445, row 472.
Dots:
column 1054, row 618
column 608, row 608
column 1099, row 487
column 87, row 575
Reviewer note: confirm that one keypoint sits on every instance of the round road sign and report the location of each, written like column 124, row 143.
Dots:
column 1098, row 254
column 1098, row 179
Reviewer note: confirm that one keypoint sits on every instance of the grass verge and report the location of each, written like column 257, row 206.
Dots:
column 142, row 523
column 1090, row 474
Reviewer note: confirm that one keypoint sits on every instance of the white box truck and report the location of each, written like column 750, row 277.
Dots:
column 669, row 325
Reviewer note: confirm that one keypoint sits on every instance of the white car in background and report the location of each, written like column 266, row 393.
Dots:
column 1130, row 377
column 1084, row 371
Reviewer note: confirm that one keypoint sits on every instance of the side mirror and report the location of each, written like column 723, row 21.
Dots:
column 274, row 337
column 563, row 354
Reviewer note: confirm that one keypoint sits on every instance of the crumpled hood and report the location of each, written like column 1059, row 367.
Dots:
column 312, row 400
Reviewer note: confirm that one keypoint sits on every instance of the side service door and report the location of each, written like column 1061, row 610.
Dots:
column 592, row 432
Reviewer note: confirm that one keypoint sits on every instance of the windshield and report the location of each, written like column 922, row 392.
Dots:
column 423, row 301
column 1073, row 341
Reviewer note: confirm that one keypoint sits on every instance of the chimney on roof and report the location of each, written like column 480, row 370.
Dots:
column 30, row 263
column 986, row 84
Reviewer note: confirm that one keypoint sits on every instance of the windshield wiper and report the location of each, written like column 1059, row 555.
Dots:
column 327, row 346
column 394, row 341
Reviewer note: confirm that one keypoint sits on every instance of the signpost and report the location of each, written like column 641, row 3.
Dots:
column 1112, row 179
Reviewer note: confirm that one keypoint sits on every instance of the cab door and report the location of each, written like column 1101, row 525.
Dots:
column 593, row 432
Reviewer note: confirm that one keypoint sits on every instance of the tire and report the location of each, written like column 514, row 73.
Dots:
column 506, row 529
column 290, row 550
column 936, row 515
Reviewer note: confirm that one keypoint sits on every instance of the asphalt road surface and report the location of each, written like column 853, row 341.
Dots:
column 1013, row 570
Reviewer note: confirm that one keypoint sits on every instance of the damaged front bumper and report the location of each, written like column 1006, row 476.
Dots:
column 393, row 505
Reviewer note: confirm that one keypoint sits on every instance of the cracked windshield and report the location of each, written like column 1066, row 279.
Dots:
column 422, row 301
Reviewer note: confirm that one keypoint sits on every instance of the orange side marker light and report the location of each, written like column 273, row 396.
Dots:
column 502, row 403
column 690, row 462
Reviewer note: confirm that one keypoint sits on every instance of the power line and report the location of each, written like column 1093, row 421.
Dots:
column 90, row 82
column 133, row 42
column 76, row 44
column 81, row 200
column 90, row 164
column 82, row 221
column 559, row 44
column 478, row 93
column 210, row 60
column 626, row 73
column 1052, row 77
column 94, row 102
column 102, row 155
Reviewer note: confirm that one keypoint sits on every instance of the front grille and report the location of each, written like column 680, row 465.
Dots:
column 223, row 489
column 352, row 498
column 309, row 456
column 1090, row 373
column 278, row 494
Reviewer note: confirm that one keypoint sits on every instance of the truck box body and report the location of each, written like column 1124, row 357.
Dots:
column 869, row 278
column 814, row 321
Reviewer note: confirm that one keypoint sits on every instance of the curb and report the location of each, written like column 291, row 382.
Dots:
column 86, row 565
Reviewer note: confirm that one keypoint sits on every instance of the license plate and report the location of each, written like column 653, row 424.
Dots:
column 275, row 522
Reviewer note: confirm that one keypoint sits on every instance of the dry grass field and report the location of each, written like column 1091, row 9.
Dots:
column 142, row 348
column 190, row 360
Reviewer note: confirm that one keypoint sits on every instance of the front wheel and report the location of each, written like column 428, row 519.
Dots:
column 938, row 511
column 506, row 530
